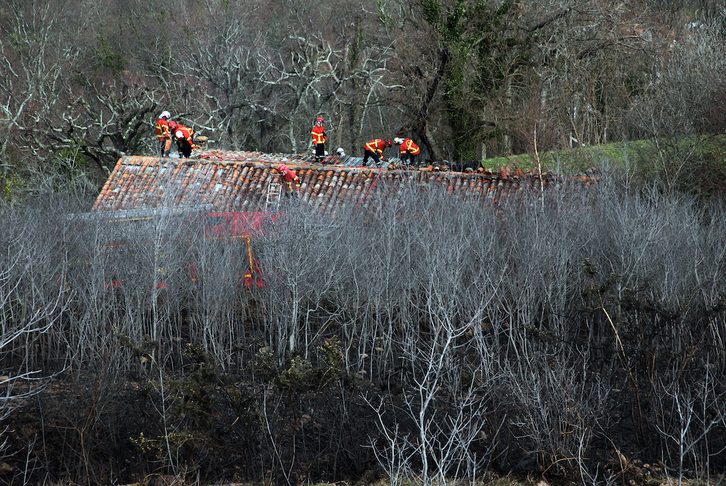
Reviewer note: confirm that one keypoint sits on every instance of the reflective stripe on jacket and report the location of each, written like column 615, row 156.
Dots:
column 408, row 147
column 287, row 180
column 319, row 135
column 186, row 134
column 376, row 145
column 162, row 129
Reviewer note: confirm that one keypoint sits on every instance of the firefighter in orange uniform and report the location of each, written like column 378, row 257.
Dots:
column 408, row 150
column 184, row 140
column 162, row 134
column 319, row 139
column 289, row 178
column 374, row 150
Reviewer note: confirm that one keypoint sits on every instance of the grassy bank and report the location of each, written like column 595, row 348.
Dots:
column 641, row 156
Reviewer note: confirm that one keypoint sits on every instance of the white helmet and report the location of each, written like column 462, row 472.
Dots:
column 340, row 152
column 398, row 141
column 165, row 114
column 179, row 134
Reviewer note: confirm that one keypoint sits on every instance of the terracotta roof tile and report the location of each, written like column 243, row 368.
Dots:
column 239, row 181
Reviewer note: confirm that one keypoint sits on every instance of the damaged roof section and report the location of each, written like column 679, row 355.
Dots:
column 246, row 181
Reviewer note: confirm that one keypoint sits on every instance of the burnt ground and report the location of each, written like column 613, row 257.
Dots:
column 100, row 431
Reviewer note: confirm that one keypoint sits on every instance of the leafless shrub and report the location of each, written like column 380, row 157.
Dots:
column 32, row 302
column 558, row 407
column 529, row 315
column 687, row 414
column 445, row 402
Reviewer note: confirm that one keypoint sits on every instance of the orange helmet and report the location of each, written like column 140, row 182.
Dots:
column 172, row 124
column 319, row 119
column 389, row 144
column 282, row 169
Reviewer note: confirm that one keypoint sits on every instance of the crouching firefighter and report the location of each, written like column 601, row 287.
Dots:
column 408, row 150
column 374, row 150
column 184, row 140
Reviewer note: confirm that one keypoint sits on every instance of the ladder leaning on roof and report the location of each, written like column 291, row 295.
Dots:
column 272, row 201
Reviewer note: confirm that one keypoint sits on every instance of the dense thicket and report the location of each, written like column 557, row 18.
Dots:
column 81, row 85
column 571, row 333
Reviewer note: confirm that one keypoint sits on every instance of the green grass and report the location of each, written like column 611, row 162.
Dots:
column 617, row 154
column 570, row 161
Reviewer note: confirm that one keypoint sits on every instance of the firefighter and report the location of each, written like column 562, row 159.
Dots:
column 408, row 150
column 374, row 150
column 319, row 139
column 184, row 140
column 289, row 177
column 172, row 130
column 162, row 133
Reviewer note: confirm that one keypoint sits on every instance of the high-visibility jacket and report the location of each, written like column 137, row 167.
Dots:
column 162, row 129
column 408, row 147
column 319, row 135
column 376, row 145
column 186, row 134
column 288, row 179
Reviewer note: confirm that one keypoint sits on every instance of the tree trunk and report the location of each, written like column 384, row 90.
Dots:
column 422, row 119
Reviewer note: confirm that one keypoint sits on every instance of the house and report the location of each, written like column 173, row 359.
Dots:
column 238, row 193
column 249, row 181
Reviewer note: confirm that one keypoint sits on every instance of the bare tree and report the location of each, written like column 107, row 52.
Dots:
column 105, row 122
column 447, row 414
column 590, row 59
column 558, row 433
column 687, row 415
column 677, row 105
column 33, row 298
column 261, row 89
column 296, row 251
column 34, row 63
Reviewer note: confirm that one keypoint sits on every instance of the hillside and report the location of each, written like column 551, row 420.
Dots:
column 553, row 336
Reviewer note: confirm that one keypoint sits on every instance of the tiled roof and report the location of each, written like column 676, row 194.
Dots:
column 240, row 181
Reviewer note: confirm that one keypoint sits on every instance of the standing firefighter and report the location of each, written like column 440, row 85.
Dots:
column 319, row 139
column 290, row 180
column 408, row 150
column 162, row 134
column 374, row 150
column 184, row 140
